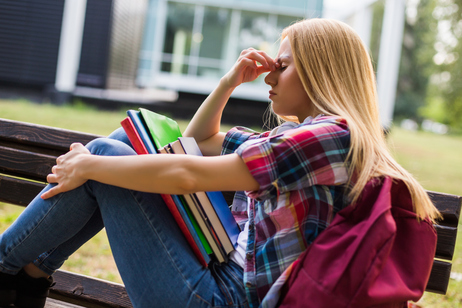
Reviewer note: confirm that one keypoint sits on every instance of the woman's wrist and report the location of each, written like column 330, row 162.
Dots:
column 225, row 84
column 88, row 166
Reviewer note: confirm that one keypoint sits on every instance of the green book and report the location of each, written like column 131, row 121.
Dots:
column 163, row 130
column 196, row 227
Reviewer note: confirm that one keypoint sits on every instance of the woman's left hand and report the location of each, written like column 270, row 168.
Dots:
column 66, row 171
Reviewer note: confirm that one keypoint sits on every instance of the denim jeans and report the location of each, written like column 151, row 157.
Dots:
column 155, row 261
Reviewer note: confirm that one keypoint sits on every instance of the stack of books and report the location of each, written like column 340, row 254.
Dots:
column 204, row 217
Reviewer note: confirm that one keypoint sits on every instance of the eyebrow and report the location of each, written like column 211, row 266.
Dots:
column 279, row 60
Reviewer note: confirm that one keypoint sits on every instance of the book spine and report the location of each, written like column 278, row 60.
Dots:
column 136, row 142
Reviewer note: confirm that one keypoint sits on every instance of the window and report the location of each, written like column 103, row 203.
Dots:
column 189, row 46
column 200, row 40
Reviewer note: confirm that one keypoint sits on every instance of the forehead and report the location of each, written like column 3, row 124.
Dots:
column 285, row 51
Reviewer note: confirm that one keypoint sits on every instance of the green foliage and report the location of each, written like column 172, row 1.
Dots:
column 449, row 14
column 435, row 110
column 417, row 63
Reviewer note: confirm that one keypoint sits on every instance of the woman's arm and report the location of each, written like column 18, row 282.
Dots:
column 162, row 173
column 173, row 174
column 205, row 125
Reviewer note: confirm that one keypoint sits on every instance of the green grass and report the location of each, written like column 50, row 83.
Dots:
column 434, row 160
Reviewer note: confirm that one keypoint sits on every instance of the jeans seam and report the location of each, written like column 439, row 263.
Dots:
column 40, row 262
column 222, row 286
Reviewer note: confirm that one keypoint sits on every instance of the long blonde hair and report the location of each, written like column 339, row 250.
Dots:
column 336, row 71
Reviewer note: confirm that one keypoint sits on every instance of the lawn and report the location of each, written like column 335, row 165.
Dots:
column 433, row 159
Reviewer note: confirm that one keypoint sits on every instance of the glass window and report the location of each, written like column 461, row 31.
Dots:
column 256, row 31
column 215, row 31
column 178, row 37
column 198, row 38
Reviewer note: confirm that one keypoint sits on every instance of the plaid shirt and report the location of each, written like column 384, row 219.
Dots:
column 302, row 175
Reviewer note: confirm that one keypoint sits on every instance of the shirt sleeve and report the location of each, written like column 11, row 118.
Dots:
column 237, row 136
column 311, row 154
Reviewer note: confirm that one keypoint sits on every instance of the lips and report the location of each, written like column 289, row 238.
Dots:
column 271, row 94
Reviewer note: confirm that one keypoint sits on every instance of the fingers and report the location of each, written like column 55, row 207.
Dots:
column 76, row 145
column 52, row 177
column 259, row 56
column 51, row 192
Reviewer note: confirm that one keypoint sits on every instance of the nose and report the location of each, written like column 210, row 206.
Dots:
column 271, row 78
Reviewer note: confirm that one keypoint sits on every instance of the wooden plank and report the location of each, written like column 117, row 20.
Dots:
column 439, row 277
column 18, row 191
column 446, row 242
column 88, row 292
column 25, row 164
column 41, row 135
column 448, row 205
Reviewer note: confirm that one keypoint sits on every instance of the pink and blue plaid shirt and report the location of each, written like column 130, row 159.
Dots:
column 302, row 175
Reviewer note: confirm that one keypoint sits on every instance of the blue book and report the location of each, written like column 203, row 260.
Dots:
column 141, row 129
column 215, row 202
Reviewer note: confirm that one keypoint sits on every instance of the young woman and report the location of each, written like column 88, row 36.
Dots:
column 295, row 178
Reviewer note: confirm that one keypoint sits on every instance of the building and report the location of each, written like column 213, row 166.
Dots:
column 91, row 47
column 188, row 45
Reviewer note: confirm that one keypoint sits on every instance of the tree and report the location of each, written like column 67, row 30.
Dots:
column 417, row 54
column 449, row 47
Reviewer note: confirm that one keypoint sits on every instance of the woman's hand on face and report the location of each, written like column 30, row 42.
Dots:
column 247, row 69
column 66, row 171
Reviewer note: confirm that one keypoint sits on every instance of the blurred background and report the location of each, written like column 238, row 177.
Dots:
column 79, row 64
column 109, row 52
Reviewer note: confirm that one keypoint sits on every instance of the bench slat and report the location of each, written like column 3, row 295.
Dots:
column 87, row 291
column 439, row 277
column 41, row 135
column 18, row 191
column 25, row 164
column 446, row 242
column 448, row 205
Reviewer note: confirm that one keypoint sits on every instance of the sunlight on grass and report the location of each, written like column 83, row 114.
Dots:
column 433, row 159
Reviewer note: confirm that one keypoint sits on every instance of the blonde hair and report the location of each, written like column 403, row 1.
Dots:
column 337, row 74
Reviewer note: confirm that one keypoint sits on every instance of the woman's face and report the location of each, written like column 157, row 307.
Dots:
column 287, row 93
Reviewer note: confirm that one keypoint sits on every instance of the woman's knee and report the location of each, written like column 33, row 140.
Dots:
column 109, row 147
column 119, row 134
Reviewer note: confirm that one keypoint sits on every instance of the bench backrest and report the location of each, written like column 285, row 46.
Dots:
column 28, row 151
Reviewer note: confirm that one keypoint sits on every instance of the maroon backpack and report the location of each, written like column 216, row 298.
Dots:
column 374, row 254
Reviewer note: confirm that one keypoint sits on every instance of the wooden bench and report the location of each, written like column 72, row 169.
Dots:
column 27, row 153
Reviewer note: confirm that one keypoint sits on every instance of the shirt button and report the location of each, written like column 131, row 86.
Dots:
column 248, row 285
column 248, row 256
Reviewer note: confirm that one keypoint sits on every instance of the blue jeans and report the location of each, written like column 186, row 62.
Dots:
column 155, row 261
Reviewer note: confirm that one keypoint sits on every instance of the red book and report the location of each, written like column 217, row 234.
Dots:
column 135, row 139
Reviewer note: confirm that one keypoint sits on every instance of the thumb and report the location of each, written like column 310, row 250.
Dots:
column 75, row 145
column 51, row 192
